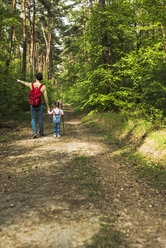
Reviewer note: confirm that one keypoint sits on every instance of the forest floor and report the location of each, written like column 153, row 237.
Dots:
column 75, row 191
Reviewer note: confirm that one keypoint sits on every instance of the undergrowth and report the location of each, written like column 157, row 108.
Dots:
column 16, row 117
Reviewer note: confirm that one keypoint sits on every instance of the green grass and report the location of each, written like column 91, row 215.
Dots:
column 20, row 119
column 123, row 126
column 159, row 139
column 17, row 117
column 129, row 132
column 25, row 166
column 119, row 128
column 8, row 137
column 154, row 173
column 108, row 235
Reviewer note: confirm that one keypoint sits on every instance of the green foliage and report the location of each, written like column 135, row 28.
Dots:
column 112, row 59
column 142, row 78
column 15, row 97
column 118, row 62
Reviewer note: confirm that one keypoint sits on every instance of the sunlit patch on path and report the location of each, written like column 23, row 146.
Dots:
column 54, row 191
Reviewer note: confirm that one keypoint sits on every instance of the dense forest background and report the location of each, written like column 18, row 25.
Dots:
column 98, row 54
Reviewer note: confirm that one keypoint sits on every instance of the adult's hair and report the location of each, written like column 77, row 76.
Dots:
column 39, row 76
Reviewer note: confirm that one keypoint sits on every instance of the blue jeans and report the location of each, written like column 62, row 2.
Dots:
column 37, row 110
column 56, row 127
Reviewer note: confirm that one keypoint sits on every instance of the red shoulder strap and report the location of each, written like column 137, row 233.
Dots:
column 40, row 86
column 32, row 86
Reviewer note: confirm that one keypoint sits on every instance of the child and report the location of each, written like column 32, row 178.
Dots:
column 57, row 114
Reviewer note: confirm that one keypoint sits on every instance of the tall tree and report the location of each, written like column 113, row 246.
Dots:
column 102, row 5
column 48, row 46
column 31, row 16
column 10, row 38
column 24, row 39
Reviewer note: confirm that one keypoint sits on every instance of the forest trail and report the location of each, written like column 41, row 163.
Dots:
column 56, row 193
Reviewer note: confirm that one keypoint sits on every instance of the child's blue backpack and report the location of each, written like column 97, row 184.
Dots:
column 57, row 118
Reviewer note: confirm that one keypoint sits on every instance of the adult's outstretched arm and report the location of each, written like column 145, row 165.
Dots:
column 24, row 83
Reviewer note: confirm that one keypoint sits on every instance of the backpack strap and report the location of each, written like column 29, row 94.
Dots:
column 40, row 86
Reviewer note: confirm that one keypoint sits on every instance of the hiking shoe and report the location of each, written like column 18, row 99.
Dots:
column 54, row 135
column 34, row 136
column 58, row 135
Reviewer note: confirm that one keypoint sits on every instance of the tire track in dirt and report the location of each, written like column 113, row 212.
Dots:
column 43, row 205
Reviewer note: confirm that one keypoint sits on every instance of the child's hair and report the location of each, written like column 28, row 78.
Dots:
column 55, row 104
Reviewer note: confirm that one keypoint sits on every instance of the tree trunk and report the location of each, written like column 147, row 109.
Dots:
column 24, row 40
column 48, row 48
column 37, row 57
column 28, row 57
column 33, row 28
column 44, row 64
column 164, row 35
column 90, row 4
column 32, row 38
column 85, row 13
column 85, row 22
column 104, row 35
column 49, row 54
column 10, row 39
column 40, row 62
column 52, row 67
column 102, row 5
column 105, row 52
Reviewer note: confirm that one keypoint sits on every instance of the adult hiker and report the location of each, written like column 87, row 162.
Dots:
column 36, row 107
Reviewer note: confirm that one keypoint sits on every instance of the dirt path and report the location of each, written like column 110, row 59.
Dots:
column 74, row 192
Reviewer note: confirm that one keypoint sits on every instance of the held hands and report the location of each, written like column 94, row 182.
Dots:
column 18, row 81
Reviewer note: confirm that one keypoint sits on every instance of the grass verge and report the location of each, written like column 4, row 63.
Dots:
column 8, row 137
column 141, row 144
column 16, row 117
